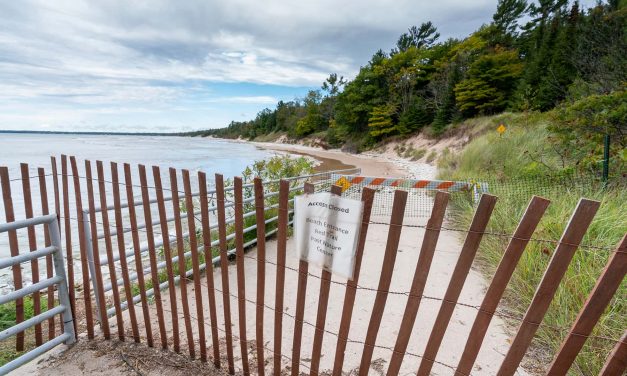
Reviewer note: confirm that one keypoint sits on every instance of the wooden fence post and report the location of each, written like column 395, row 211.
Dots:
column 284, row 191
column 224, row 271
column 32, row 244
column 323, row 302
column 139, row 268
column 387, row 268
column 152, row 255
column 5, row 181
column 616, row 362
column 513, row 252
column 102, row 305
column 83, row 248
column 367, row 196
column 261, row 272
column 429, row 242
column 206, row 240
column 193, row 245
column 167, row 254
column 466, row 256
column 568, row 244
column 45, row 210
column 106, row 229
column 603, row 291
column 241, row 278
column 119, row 227
column 303, row 272
column 180, row 248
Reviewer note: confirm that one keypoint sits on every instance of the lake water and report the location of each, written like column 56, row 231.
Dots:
column 195, row 154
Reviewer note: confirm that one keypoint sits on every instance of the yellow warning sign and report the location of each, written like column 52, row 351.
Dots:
column 501, row 129
column 343, row 182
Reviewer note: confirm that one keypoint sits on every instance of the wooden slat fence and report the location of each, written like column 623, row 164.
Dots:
column 210, row 228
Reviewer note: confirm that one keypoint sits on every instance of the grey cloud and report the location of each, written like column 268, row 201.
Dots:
column 130, row 54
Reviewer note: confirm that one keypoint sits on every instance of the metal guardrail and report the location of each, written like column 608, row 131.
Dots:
column 68, row 336
column 322, row 180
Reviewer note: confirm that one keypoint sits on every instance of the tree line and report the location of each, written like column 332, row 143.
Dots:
column 530, row 57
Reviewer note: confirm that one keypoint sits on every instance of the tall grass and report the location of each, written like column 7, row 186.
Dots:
column 519, row 158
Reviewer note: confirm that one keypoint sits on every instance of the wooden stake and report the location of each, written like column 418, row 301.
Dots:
column 83, row 248
column 119, row 227
column 152, row 255
column 167, row 254
column 224, row 268
column 180, row 248
column 241, row 278
column 206, row 239
column 5, row 181
column 391, row 249
column 568, row 244
column 505, row 270
column 429, row 242
column 139, row 268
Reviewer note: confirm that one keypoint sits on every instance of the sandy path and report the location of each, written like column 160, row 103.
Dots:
column 447, row 252
column 370, row 165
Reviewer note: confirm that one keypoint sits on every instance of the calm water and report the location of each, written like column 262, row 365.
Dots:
column 209, row 155
column 195, row 154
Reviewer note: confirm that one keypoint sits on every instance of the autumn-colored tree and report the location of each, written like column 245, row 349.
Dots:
column 380, row 121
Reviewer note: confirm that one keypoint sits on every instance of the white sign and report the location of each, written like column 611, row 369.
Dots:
column 326, row 229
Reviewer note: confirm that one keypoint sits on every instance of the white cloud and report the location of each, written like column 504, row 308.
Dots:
column 73, row 62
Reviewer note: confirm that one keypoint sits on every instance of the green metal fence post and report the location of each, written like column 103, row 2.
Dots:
column 606, row 159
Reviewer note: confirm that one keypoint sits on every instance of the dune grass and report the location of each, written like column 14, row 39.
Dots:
column 512, row 163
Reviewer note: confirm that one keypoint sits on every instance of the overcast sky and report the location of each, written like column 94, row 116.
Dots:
column 165, row 66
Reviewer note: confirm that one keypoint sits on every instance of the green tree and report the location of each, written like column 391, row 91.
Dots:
column 380, row 121
column 313, row 120
column 507, row 14
column 332, row 85
column 489, row 83
column 579, row 129
column 424, row 36
column 417, row 116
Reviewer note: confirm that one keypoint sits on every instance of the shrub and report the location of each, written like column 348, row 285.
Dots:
column 579, row 128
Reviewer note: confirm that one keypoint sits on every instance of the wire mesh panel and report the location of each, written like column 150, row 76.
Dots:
column 420, row 193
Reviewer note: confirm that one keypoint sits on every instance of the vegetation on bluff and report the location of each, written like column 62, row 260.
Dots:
column 530, row 159
column 531, row 57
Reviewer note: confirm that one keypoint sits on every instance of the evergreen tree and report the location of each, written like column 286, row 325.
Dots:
column 448, row 109
column 425, row 36
column 490, row 82
column 380, row 121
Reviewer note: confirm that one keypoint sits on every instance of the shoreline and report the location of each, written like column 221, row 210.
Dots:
column 379, row 165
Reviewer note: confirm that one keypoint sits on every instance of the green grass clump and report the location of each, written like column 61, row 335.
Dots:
column 517, row 165
column 8, row 319
column 432, row 156
column 409, row 152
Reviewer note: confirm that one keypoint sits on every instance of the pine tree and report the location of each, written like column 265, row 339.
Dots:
column 448, row 109
column 380, row 121
column 490, row 82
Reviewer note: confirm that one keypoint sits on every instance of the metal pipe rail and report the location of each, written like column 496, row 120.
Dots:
column 162, row 286
column 68, row 336
column 144, row 249
column 211, row 209
column 354, row 171
column 162, row 264
column 130, row 254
